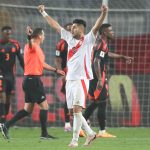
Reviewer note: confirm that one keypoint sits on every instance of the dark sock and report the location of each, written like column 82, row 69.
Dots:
column 7, row 106
column 2, row 113
column 2, row 109
column 2, row 119
column 101, row 114
column 89, row 110
column 66, row 112
column 19, row 115
column 43, row 121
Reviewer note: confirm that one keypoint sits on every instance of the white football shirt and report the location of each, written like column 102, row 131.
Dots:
column 79, row 65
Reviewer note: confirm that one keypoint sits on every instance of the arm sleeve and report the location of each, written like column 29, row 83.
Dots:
column 90, row 37
column 60, row 47
column 66, row 35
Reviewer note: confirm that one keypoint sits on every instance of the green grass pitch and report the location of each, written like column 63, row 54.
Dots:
column 28, row 139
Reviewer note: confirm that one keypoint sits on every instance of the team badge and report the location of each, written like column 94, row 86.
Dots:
column 57, row 53
column 102, row 54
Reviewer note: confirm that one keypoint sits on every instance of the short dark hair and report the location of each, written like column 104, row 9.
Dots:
column 80, row 21
column 104, row 26
column 6, row 28
column 36, row 33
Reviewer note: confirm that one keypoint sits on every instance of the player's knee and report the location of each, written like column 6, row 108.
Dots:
column 44, row 105
column 71, row 112
column 77, row 109
column 28, row 107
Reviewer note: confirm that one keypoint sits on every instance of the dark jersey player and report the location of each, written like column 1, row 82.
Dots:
column 9, row 50
column 98, row 90
column 60, row 62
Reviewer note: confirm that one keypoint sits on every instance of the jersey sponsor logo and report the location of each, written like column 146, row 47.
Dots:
column 102, row 54
column 57, row 53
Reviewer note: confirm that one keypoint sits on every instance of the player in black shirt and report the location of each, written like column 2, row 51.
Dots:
column 60, row 62
column 98, row 89
column 9, row 49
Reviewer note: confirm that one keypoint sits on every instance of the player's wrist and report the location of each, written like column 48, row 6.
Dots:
column 44, row 13
column 123, row 57
column 55, row 70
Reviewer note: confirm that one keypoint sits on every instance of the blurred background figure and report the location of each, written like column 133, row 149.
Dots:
column 9, row 50
column 60, row 63
column 98, row 89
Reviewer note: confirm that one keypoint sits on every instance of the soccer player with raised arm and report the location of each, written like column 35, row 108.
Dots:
column 34, row 64
column 9, row 50
column 79, row 70
column 98, row 89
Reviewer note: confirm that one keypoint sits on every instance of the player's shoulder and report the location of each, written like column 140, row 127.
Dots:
column 61, row 45
column 61, row 41
column 15, row 42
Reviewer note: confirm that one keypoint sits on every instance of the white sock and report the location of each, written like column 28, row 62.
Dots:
column 67, row 124
column 86, row 127
column 102, row 131
column 77, row 123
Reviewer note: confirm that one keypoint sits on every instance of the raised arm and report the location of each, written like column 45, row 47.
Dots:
column 98, row 23
column 53, row 23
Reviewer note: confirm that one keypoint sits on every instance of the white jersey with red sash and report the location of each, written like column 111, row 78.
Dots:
column 79, row 55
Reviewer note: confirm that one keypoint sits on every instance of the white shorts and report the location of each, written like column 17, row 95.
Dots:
column 76, row 92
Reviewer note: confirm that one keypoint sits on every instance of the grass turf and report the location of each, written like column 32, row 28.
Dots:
column 28, row 139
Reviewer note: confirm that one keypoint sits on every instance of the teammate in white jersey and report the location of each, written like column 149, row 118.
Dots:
column 79, row 68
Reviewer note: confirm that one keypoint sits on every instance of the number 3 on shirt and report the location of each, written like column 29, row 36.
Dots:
column 7, row 57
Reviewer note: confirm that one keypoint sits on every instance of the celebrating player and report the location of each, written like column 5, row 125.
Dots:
column 79, row 70
column 9, row 50
column 34, row 63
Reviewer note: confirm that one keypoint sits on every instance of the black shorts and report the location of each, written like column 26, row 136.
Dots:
column 33, row 89
column 63, row 88
column 7, row 83
column 92, row 88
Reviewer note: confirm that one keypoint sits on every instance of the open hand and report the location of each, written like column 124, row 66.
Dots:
column 128, row 59
column 61, row 72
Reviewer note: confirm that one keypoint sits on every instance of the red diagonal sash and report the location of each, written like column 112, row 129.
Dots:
column 75, row 49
